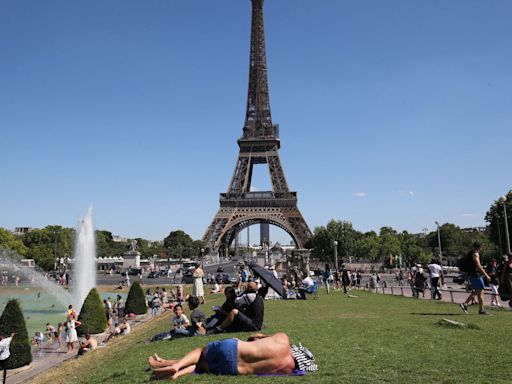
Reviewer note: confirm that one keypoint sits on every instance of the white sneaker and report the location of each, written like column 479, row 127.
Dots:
column 499, row 305
column 493, row 305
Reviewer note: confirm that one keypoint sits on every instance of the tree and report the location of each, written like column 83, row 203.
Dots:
column 496, row 219
column 92, row 315
column 389, row 243
column 322, row 241
column 11, row 242
column 413, row 249
column 47, row 245
column 12, row 320
column 43, row 255
column 136, row 301
column 367, row 247
column 106, row 246
column 177, row 242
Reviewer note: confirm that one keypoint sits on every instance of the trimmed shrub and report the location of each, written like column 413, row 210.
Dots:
column 92, row 315
column 12, row 320
column 136, row 301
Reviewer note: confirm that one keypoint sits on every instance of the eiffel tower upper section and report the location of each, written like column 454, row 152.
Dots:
column 258, row 118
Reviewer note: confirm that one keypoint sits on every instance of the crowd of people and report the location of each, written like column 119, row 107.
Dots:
column 243, row 311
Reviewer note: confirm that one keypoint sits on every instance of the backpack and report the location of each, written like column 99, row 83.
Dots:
column 465, row 263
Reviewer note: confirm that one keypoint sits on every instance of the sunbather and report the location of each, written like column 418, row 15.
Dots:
column 261, row 354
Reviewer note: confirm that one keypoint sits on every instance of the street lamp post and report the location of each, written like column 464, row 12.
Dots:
column 335, row 243
column 503, row 200
column 497, row 217
column 439, row 243
column 425, row 230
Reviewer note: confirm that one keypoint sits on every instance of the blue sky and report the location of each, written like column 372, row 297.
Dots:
column 392, row 112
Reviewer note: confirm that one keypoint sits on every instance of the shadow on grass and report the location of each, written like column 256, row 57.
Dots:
column 436, row 314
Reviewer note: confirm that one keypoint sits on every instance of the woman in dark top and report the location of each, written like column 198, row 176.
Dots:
column 506, row 277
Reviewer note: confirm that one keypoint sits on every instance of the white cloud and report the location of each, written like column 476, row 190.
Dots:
column 406, row 193
column 469, row 215
column 359, row 194
column 253, row 189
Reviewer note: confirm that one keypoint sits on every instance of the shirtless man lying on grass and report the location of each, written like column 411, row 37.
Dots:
column 260, row 354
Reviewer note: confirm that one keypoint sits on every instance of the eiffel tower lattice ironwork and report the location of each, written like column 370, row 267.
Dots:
column 260, row 143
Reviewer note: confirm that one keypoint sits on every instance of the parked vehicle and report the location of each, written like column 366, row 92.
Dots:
column 134, row 271
column 154, row 274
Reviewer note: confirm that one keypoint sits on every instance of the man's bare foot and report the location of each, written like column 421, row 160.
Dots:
column 156, row 362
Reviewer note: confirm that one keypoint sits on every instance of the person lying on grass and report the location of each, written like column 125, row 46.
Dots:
column 260, row 354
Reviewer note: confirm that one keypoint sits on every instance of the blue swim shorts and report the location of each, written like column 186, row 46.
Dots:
column 222, row 357
column 477, row 282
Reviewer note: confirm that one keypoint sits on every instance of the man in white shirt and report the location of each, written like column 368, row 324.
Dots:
column 436, row 273
column 5, row 353
column 307, row 286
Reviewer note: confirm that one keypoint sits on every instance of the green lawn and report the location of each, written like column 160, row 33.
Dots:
column 368, row 339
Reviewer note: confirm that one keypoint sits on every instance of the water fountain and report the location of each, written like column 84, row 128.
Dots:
column 36, row 278
column 84, row 261
column 84, row 268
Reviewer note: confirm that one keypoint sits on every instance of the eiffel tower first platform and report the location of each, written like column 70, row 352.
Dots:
column 239, row 207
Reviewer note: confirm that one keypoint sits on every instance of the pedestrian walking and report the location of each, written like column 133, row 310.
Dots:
column 155, row 304
column 436, row 274
column 326, row 276
column 476, row 275
column 492, row 271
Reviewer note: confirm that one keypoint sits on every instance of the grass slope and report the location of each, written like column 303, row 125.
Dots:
column 369, row 339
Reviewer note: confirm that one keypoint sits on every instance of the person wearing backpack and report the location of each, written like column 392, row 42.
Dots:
column 476, row 274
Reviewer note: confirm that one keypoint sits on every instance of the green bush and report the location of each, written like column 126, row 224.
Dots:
column 136, row 301
column 92, row 315
column 12, row 320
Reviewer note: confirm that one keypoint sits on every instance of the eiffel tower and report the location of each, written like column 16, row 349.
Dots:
column 260, row 143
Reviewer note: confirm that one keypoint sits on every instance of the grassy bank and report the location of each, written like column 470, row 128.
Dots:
column 368, row 339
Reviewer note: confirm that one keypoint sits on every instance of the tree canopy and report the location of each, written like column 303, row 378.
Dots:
column 12, row 242
column 180, row 245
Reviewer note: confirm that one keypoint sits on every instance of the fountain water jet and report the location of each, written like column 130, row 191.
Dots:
column 84, row 260
column 36, row 277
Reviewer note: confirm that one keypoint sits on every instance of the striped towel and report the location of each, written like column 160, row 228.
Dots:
column 304, row 358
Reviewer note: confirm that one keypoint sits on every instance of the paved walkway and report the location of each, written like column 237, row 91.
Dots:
column 450, row 294
column 45, row 358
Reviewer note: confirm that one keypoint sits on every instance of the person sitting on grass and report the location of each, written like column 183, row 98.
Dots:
column 248, row 314
column 197, row 317
column 261, row 354
column 307, row 286
column 216, row 288
column 123, row 328
column 180, row 321
column 222, row 312
column 89, row 344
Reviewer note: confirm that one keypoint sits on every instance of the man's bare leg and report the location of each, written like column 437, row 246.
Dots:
column 189, row 359
column 184, row 371
column 480, row 298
